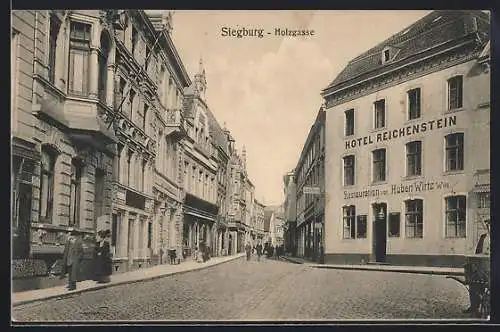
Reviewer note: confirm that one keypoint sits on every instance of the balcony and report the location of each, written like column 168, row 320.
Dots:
column 87, row 127
column 175, row 123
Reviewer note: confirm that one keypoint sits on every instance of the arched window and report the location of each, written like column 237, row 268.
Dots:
column 48, row 162
column 103, row 66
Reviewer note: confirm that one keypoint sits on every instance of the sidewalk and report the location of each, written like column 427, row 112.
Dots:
column 151, row 273
column 382, row 267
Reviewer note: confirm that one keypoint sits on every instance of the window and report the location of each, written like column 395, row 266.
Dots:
column 14, row 45
column 349, row 213
column 186, row 176
column 414, row 158
column 147, row 59
column 349, row 163
column 129, row 162
column 48, row 161
column 54, row 25
column 455, row 92
column 379, row 116
column 378, row 165
column 114, row 229
column 161, row 85
column 99, row 186
column 75, row 192
column 484, row 200
column 144, row 118
column 414, row 104
column 394, row 224
column 150, row 234
column 135, row 39
column 103, row 66
column 386, row 56
column 143, row 175
column 455, row 152
column 131, row 100
column 361, row 226
column 79, row 55
column 414, row 218
column 455, row 216
column 349, row 122
column 120, row 94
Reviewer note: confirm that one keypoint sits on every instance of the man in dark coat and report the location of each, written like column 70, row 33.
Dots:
column 248, row 250
column 73, row 254
column 258, row 248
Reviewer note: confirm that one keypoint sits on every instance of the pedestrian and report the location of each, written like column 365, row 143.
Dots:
column 73, row 254
column 258, row 249
column 248, row 250
column 103, row 262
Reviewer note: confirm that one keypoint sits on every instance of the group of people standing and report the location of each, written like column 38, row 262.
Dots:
column 268, row 249
column 101, row 258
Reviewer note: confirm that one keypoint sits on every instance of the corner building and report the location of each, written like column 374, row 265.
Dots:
column 407, row 146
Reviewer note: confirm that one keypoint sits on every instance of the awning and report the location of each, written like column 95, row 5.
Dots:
column 200, row 215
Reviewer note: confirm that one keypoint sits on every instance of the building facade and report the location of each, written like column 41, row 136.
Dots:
column 72, row 58
column 200, row 169
column 25, row 150
column 109, row 133
column 259, row 221
column 290, row 207
column 274, row 225
column 237, row 209
column 310, row 173
column 405, row 121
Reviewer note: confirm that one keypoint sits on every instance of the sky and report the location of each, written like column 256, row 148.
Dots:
column 267, row 90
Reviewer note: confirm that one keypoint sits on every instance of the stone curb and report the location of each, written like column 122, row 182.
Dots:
column 381, row 268
column 390, row 269
column 122, row 282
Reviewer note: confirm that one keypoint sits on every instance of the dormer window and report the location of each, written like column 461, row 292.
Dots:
column 388, row 54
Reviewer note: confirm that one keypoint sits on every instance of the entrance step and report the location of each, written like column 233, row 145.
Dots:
column 378, row 263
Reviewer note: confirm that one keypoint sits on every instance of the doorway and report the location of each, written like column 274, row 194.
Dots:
column 379, row 248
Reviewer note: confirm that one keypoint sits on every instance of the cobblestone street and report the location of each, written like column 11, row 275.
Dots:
column 266, row 290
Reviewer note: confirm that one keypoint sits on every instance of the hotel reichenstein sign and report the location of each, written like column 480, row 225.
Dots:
column 416, row 187
column 408, row 130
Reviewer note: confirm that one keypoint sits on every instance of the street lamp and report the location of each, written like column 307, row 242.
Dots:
column 381, row 214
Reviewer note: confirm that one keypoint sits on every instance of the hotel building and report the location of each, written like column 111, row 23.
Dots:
column 407, row 145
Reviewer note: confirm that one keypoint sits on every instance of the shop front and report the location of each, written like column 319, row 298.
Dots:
column 199, row 225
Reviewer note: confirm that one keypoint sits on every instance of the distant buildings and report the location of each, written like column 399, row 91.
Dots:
column 310, row 173
column 274, row 224
column 408, row 123
column 290, row 211
column 109, row 132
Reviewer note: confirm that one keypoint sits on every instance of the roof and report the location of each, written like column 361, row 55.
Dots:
column 217, row 133
column 435, row 29
column 313, row 132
